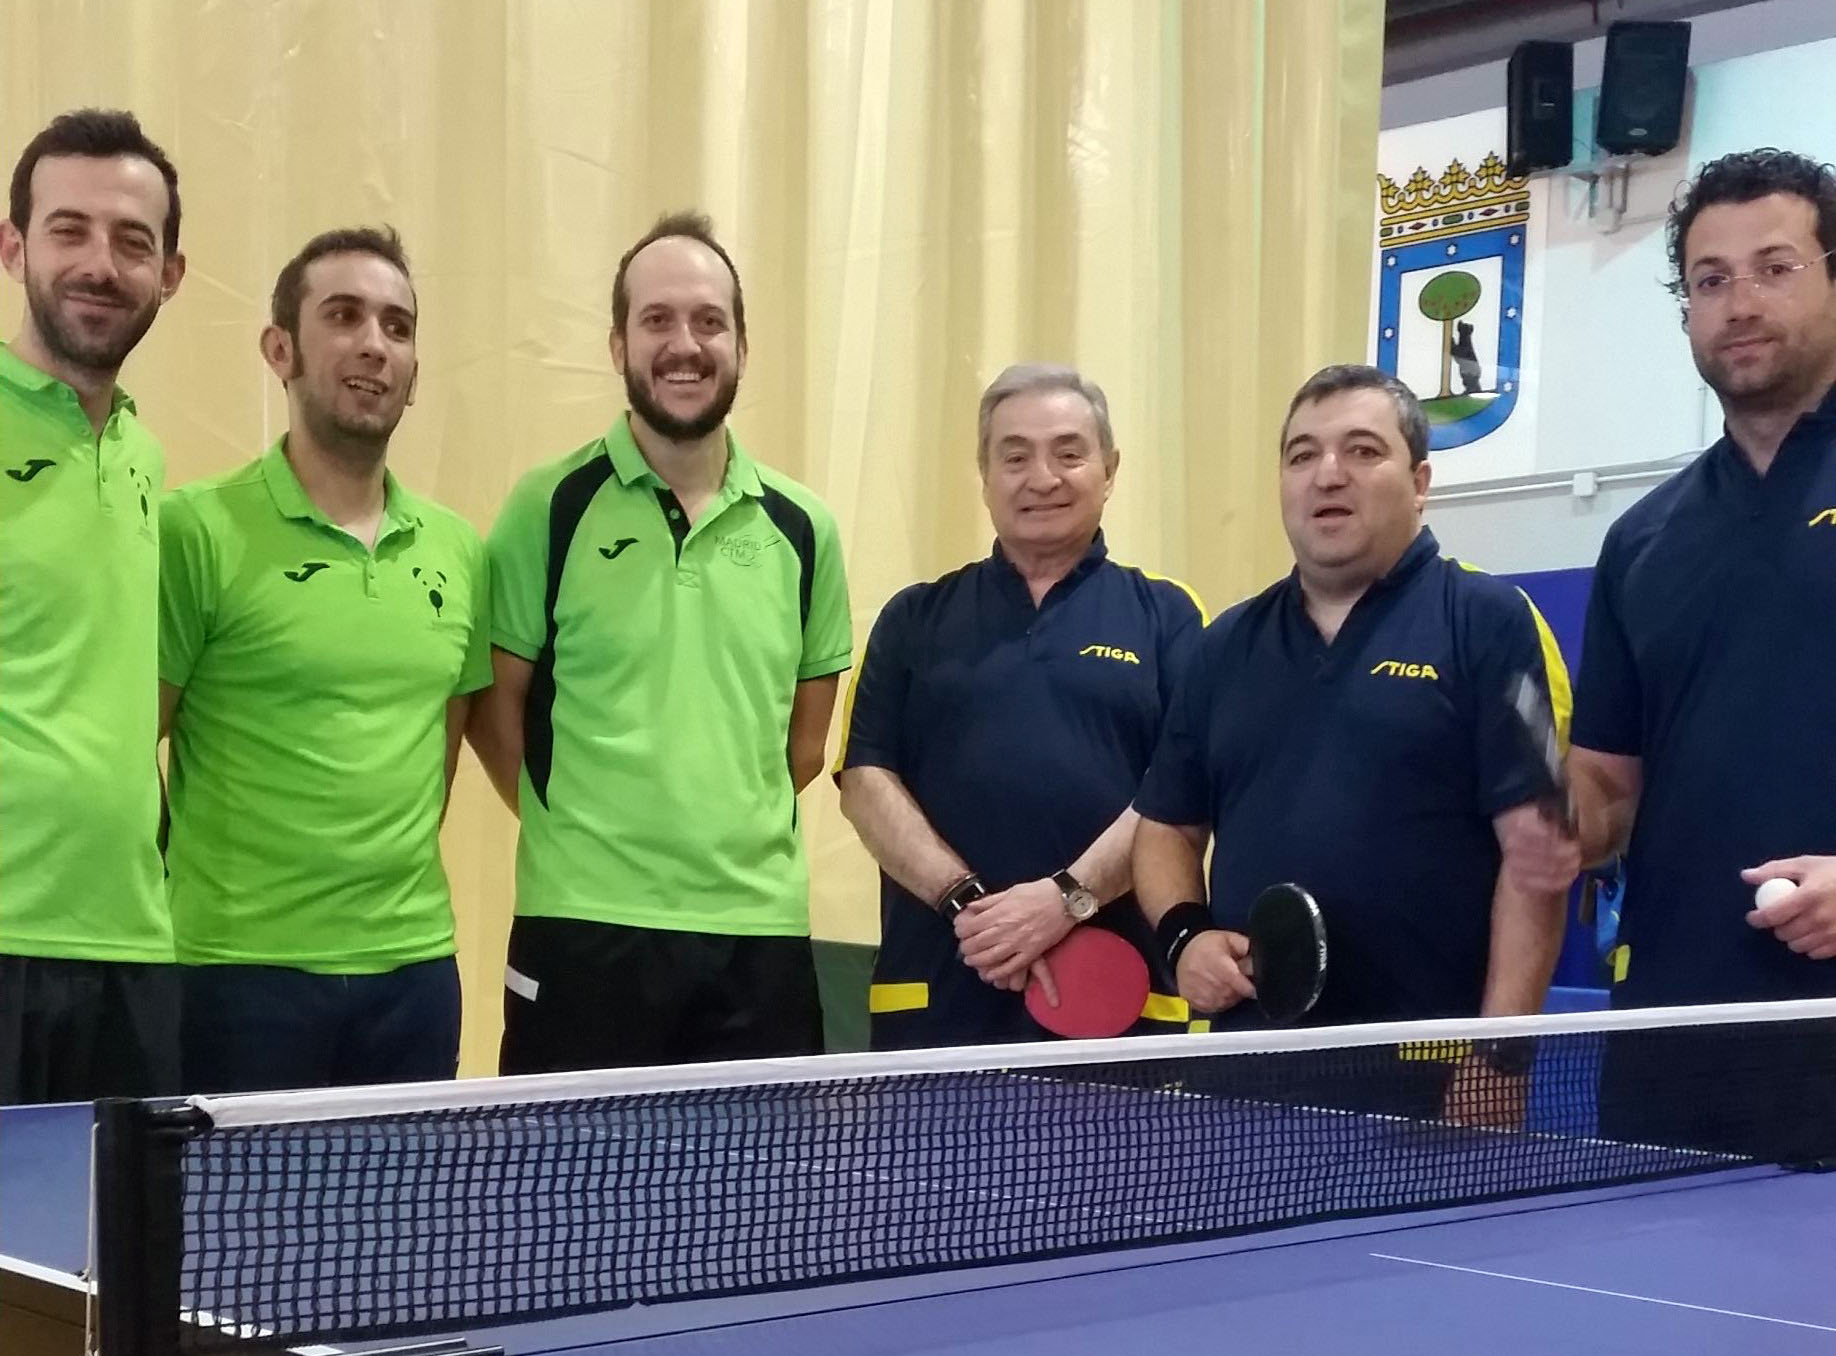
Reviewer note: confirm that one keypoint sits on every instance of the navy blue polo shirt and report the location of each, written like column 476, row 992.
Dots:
column 1368, row 771
column 1021, row 732
column 1710, row 654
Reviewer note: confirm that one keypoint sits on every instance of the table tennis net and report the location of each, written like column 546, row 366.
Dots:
column 396, row 1212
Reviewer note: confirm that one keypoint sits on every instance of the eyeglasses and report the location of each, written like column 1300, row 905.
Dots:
column 1770, row 278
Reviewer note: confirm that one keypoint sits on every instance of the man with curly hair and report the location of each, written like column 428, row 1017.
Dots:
column 1703, row 736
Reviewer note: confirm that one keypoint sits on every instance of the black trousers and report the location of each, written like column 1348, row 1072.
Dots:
column 77, row 1030
column 1764, row 1090
column 250, row 1028
column 582, row 995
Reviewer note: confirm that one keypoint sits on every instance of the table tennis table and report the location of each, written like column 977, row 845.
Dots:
column 1736, row 1260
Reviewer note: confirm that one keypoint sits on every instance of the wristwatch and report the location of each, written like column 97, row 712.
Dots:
column 1512, row 1055
column 1080, row 903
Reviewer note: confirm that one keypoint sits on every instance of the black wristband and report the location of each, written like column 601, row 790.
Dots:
column 1178, row 926
column 1511, row 1055
column 959, row 896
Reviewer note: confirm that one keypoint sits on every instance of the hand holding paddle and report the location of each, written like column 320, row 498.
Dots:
column 1213, row 973
column 1541, row 851
column 1102, row 984
column 1537, row 731
column 1287, row 952
column 1284, row 947
column 1001, row 936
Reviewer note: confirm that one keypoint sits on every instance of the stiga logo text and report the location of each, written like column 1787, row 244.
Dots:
column 1395, row 668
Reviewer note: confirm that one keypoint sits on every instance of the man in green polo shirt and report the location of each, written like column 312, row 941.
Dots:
column 88, row 996
column 670, row 621
column 320, row 629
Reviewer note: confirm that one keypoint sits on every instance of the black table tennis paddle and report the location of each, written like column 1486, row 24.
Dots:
column 1287, row 952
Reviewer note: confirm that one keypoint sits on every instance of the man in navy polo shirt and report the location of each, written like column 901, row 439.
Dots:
column 1349, row 729
column 1705, row 729
column 999, row 724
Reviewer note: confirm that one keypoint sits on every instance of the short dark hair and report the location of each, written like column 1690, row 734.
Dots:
column 100, row 134
column 1341, row 377
column 690, row 225
column 1746, row 176
column 290, row 286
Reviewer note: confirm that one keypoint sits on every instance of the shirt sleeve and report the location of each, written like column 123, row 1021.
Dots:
column 1609, row 705
column 188, row 589
column 828, row 632
column 875, row 709
column 1513, row 640
column 1177, row 787
column 1182, row 622
column 517, row 554
column 475, row 674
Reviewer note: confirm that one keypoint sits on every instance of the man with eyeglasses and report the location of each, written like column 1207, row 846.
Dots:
column 1704, row 742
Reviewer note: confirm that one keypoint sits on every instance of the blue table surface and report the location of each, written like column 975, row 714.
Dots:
column 1738, row 1261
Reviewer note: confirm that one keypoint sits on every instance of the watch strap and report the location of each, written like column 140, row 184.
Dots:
column 962, row 892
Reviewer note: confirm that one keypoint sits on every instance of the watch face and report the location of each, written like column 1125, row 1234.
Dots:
column 1081, row 904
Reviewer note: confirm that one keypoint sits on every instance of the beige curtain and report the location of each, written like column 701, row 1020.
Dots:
column 1176, row 197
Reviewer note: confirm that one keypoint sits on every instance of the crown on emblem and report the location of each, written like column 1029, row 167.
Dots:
column 1460, row 199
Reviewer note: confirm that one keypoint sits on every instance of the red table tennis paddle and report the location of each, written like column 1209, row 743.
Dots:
column 1102, row 983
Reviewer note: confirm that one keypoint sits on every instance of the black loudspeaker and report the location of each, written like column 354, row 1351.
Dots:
column 1540, row 117
column 1641, row 88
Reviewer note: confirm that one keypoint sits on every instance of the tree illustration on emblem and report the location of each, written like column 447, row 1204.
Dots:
column 1446, row 298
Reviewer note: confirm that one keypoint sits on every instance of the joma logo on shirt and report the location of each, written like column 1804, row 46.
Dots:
column 1395, row 668
column 1111, row 652
column 1825, row 519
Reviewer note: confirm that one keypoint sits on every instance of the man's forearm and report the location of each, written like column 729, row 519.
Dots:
column 897, row 833
column 1168, row 865
column 812, row 707
column 458, row 711
column 1605, row 798
column 1106, row 867
column 1526, row 939
column 496, row 736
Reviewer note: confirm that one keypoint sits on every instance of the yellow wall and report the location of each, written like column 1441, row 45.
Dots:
column 1174, row 197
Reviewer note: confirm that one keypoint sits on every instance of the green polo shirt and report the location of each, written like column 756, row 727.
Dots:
column 308, row 765
column 655, row 790
column 79, row 713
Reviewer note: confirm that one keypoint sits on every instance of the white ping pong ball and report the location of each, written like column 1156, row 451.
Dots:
column 1770, row 892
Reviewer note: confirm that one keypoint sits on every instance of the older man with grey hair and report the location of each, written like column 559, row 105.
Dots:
column 999, row 725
